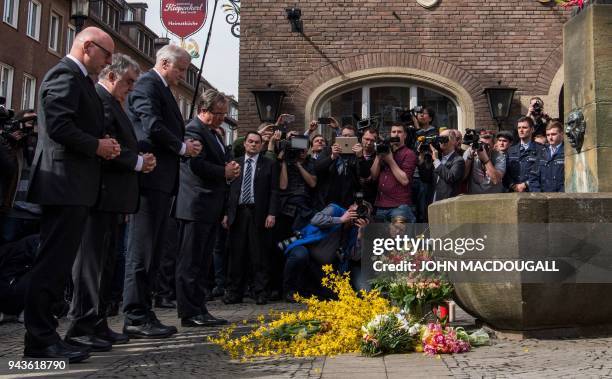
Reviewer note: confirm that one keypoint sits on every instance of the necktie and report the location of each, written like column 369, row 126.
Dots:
column 245, row 197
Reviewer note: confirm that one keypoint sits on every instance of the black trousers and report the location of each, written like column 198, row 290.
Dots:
column 166, row 280
column 192, row 268
column 246, row 253
column 146, row 235
column 92, row 274
column 61, row 231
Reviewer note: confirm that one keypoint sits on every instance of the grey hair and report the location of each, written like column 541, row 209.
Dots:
column 120, row 65
column 210, row 98
column 172, row 53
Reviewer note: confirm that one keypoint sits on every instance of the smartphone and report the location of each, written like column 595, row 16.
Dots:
column 347, row 143
column 324, row 120
column 289, row 118
column 299, row 142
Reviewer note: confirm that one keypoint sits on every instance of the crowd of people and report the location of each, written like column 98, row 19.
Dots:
column 111, row 201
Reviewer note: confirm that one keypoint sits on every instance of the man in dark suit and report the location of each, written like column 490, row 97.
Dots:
column 159, row 128
column 65, row 180
column 251, row 211
column 449, row 167
column 200, row 205
column 94, row 266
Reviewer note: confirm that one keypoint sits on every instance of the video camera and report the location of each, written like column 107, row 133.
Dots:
column 472, row 138
column 8, row 123
column 383, row 146
column 293, row 147
column 435, row 141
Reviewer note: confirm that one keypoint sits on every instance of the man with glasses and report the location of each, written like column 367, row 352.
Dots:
column 65, row 181
column 200, row 205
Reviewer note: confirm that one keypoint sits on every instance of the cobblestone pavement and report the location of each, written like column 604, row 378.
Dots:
column 188, row 354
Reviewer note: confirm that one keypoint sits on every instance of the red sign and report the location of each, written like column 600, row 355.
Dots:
column 183, row 17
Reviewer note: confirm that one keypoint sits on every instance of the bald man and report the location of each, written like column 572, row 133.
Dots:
column 65, row 182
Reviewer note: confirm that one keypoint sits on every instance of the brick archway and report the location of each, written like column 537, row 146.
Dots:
column 461, row 85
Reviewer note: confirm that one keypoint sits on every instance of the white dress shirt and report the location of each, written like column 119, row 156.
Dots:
column 78, row 62
column 253, row 170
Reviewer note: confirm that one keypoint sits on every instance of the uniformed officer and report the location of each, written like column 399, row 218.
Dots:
column 522, row 157
column 548, row 174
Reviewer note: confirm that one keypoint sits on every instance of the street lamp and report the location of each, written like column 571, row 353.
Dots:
column 79, row 11
column 500, row 100
column 268, row 103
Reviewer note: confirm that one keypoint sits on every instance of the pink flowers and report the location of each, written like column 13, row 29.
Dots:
column 442, row 340
column 572, row 3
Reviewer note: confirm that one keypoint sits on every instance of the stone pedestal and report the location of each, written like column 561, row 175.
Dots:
column 587, row 57
column 513, row 303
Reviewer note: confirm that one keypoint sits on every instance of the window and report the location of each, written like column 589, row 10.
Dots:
column 129, row 14
column 54, row 31
column 29, row 92
column 11, row 12
column 387, row 103
column 70, row 34
column 6, row 83
column 106, row 13
column 33, row 28
column 145, row 43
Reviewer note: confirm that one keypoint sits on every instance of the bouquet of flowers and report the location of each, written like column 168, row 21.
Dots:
column 414, row 296
column 572, row 3
column 389, row 333
column 437, row 339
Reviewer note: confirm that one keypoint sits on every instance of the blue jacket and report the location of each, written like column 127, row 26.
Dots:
column 520, row 164
column 548, row 175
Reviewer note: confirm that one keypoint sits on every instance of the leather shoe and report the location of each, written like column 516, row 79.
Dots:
column 113, row 337
column 155, row 321
column 92, row 342
column 165, row 303
column 261, row 300
column 147, row 330
column 59, row 350
column 202, row 320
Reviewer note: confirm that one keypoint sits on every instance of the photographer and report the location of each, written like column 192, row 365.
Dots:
column 422, row 185
column 537, row 115
column 332, row 237
column 368, row 185
column 338, row 173
column 449, row 167
column 22, row 217
column 394, row 168
column 484, row 166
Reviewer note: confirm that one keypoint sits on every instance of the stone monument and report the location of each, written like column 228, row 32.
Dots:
column 571, row 227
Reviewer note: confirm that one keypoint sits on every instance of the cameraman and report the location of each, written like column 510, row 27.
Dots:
column 332, row 237
column 422, row 185
column 394, row 171
column 369, row 186
column 22, row 217
column 536, row 113
column 338, row 173
column 449, row 167
column 484, row 166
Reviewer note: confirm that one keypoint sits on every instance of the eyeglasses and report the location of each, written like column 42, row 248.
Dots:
column 107, row 53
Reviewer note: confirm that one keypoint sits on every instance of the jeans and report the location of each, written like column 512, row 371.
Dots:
column 422, row 195
column 297, row 270
column 387, row 214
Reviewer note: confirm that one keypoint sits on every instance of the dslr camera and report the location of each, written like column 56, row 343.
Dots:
column 9, row 124
column 363, row 212
column 383, row 146
column 472, row 138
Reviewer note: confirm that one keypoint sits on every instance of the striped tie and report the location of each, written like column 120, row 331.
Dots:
column 245, row 197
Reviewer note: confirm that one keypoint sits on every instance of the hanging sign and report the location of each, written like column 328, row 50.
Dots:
column 183, row 17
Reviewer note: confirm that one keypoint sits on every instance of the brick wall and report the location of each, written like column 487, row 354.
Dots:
column 474, row 43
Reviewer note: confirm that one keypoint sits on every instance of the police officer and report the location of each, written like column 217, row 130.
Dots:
column 522, row 157
column 548, row 174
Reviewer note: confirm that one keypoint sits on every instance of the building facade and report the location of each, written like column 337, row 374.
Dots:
column 36, row 34
column 365, row 58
